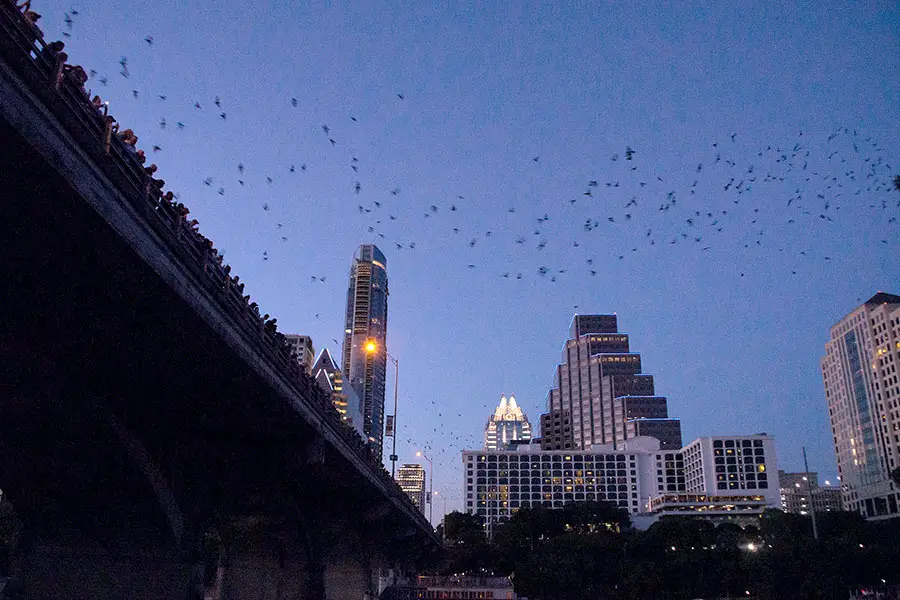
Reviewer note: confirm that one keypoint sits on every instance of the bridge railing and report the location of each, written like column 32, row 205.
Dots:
column 48, row 77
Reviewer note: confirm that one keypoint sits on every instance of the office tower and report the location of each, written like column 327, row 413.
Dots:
column 365, row 338
column 508, row 424
column 556, row 430
column 862, row 391
column 799, row 493
column 411, row 479
column 302, row 350
column 600, row 385
column 721, row 478
column 346, row 402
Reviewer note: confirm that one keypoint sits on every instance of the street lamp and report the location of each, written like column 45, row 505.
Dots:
column 444, row 513
column 371, row 347
column 430, row 486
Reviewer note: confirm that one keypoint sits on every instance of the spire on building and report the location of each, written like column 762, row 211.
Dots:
column 506, row 426
column 330, row 378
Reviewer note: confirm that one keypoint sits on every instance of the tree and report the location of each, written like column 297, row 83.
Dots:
column 595, row 517
column 467, row 546
column 572, row 567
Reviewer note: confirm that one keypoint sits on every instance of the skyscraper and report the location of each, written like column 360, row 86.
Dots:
column 346, row 402
column 411, row 479
column 862, row 391
column 600, row 385
column 365, row 338
column 302, row 350
column 506, row 425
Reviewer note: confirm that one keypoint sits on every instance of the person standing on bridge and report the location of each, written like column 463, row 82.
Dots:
column 53, row 52
column 77, row 76
column 32, row 18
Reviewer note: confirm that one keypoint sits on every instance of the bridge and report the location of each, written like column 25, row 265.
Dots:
column 157, row 440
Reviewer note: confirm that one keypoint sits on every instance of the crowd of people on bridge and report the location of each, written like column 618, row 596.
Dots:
column 52, row 58
column 52, row 54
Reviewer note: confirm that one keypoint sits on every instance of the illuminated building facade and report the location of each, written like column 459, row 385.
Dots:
column 302, row 350
column 799, row 494
column 365, row 338
column 862, row 391
column 631, row 475
column 465, row 586
column 600, row 385
column 411, row 479
column 732, row 466
column 346, row 402
column 506, row 426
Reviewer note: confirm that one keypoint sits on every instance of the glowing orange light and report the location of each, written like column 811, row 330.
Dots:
column 370, row 346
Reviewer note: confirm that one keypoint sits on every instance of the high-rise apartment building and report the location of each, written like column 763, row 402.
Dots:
column 801, row 493
column 302, row 350
column 365, row 338
column 862, row 391
column 507, row 425
column 411, row 479
column 600, row 385
column 346, row 402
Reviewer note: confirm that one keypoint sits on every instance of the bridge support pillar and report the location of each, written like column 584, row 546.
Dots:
column 264, row 561
column 350, row 578
column 71, row 568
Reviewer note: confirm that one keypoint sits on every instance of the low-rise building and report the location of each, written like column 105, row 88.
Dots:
column 799, row 491
column 464, row 586
column 735, row 509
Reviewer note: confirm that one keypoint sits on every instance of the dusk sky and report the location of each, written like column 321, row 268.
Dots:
column 522, row 106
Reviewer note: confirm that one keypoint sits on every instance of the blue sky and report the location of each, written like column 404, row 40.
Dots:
column 486, row 90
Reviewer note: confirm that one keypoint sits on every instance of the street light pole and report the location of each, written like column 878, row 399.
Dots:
column 430, row 487
column 372, row 347
column 444, row 499
column 394, row 432
column 812, row 505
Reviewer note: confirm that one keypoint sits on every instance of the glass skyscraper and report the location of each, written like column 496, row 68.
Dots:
column 365, row 338
column 862, row 391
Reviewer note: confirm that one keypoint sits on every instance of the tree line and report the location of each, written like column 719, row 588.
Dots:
column 591, row 551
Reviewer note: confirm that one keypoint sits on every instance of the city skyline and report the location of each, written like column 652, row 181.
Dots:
column 573, row 100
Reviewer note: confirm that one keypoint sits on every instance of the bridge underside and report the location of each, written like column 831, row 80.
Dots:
column 143, row 455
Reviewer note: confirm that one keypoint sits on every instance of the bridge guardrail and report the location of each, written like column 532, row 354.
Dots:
column 43, row 71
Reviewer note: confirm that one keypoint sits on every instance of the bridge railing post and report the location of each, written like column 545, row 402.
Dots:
column 58, row 67
column 107, row 133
